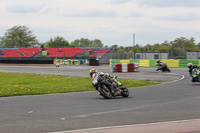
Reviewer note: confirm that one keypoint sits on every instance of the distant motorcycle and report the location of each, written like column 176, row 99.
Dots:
column 108, row 88
column 163, row 69
column 195, row 75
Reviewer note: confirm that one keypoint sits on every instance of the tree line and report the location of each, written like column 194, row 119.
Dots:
column 23, row 37
column 179, row 44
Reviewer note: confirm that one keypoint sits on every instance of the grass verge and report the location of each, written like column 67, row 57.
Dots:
column 15, row 84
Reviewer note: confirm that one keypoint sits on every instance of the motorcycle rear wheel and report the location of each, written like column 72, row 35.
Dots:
column 105, row 92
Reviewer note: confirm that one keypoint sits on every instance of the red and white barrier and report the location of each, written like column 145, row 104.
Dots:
column 125, row 67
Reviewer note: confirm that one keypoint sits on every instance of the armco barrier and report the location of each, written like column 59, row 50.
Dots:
column 171, row 63
column 124, row 67
column 114, row 61
column 183, row 63
column 152, row 63
column 144, row 63
column 123, row 61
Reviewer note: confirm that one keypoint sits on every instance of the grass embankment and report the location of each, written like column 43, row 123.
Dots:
column 13, row 84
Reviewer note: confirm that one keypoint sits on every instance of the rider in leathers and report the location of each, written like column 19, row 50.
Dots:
column 93, row 72
column 191, row 67
column 161, row 65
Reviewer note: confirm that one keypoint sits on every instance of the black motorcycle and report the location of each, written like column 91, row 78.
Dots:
column 108, row 88
column 163, row 69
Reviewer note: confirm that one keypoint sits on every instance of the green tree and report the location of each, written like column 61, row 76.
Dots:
column 81, row 42
column 136, row 48
column 96, row 43
column 57, row 42
column 130, row 54
column 190, row 45
column 148, row 48
column 86, row 43
column 114, row 47
column 179, row 43
column 128, row 48
column 198, row 46
column 121, row 49
column 156, row 47
column 17, row 37
column 165, row 47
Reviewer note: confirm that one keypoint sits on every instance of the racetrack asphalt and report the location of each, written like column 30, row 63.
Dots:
column 173, row 105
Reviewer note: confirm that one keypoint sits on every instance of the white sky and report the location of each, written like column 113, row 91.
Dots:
column 111, row 21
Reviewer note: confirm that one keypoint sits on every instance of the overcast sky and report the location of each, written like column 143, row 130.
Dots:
column 111, row 21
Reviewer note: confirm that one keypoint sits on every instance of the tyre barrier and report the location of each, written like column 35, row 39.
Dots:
column 124, row 67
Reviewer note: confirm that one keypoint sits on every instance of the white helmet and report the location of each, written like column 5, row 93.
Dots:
column 190, row 65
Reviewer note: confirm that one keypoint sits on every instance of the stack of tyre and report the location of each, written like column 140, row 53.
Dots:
column 125, row 67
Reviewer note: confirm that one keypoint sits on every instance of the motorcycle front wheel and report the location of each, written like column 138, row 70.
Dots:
column 125, row 93
column 168, row 70
column 105, row 92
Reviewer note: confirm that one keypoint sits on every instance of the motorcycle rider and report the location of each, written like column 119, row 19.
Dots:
column 191, row 67
column 161, row 66
column 93, row 73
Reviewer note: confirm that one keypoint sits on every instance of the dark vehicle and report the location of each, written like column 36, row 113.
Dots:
column 195, row 75
column 108, row 88
column 163, row 68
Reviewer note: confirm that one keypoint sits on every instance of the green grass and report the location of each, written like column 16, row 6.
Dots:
column 15, row 84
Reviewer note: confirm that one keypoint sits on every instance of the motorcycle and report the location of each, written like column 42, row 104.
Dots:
column 163, row 69
column 190, row 72
column 108, row 88
column 195, row 75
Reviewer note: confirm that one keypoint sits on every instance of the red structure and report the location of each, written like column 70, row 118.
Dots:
column 21, row 52
column 53, row 52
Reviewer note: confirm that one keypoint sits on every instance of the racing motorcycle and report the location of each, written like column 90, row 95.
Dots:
column 108, row 88
column 195, row 75
column 163, row 69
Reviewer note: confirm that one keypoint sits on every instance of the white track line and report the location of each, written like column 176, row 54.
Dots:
column 182, row 77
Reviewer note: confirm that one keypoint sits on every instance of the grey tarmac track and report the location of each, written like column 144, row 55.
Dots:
column 83, row 71
column 175, row 101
